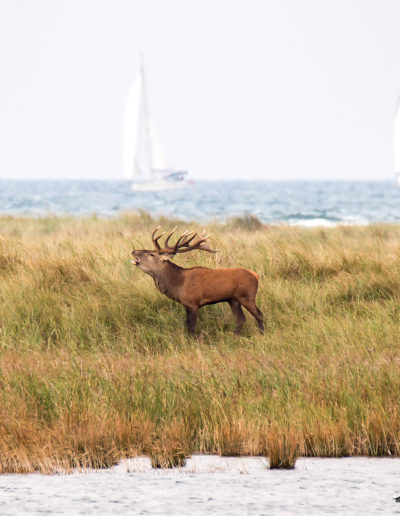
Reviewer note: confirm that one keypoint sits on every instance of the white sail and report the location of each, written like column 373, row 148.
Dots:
column 396, row 140
column 158, row 159
column 144, row 158
column 131, row 130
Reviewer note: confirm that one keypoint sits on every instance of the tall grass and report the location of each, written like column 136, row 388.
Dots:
column 95, row 363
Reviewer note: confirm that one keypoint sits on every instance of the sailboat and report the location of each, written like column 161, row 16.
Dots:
column 144, row 158
column 396, row 143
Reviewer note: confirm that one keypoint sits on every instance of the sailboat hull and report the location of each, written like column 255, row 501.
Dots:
column 153, row 186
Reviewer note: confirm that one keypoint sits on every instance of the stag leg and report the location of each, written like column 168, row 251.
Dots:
column 255, row 312
column 238, row 314
column 191, row 318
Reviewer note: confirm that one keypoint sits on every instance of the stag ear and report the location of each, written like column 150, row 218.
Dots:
column 165, row 256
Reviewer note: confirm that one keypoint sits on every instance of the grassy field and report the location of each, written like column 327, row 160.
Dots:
column 95, row 363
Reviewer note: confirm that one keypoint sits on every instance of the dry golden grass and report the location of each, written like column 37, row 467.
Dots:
column 95, row 364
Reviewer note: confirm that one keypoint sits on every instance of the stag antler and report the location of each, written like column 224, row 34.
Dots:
column 154, row 239
column 183, row 244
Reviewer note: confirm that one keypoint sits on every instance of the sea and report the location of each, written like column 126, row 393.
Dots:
column 306, row 203
column 211, row 485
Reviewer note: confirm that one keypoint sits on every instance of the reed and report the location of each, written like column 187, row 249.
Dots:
column 283, row 446
column 95, row 364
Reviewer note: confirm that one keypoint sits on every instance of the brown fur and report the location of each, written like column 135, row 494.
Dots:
column 199, row 286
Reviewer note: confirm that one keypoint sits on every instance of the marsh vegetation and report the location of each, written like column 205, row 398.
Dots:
column 96, row 365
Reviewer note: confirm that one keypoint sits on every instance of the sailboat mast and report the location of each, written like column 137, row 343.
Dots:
column 146, row 115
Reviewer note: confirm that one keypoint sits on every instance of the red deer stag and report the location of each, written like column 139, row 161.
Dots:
column 198, row 286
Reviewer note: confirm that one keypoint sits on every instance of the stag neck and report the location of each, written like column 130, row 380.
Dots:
column 168, row 270
column 169, row 279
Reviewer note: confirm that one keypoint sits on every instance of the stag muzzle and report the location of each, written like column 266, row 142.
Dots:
column 135, row 259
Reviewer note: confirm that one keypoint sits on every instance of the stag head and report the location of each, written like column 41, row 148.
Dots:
column 151, row 261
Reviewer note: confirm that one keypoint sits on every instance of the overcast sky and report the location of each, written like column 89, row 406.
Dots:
column 249, row 89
